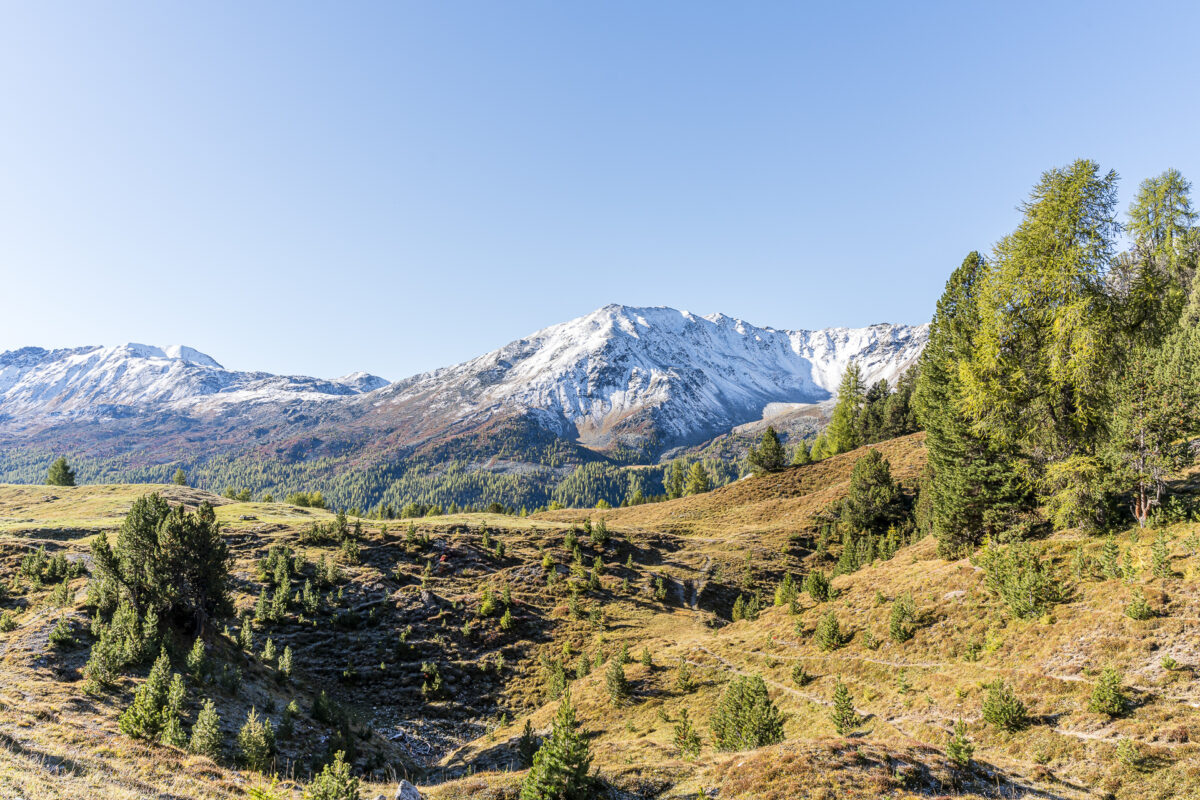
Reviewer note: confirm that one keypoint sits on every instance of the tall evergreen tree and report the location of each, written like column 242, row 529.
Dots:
column 769, row 455
column 841, row 435
column 802, row 455
column 1146, row 443
column 180, row 478
column 820, row 447
column 1043, row 354
column 168, row 560
column 675, row 481
column 873, row 501
column 60, row 474
column 698, row 482
column 1152, row 280
column 972, row 486
column 560, row 767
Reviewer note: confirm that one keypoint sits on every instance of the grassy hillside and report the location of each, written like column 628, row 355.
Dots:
column 412, row 597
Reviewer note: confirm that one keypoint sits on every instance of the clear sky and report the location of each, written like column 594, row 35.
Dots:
column 316, row 187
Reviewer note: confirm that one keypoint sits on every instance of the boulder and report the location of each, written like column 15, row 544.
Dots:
column 406, row 791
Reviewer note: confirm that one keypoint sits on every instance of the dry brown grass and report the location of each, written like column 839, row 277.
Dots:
column 965, row 641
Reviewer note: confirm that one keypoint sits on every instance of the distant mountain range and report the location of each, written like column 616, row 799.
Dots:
column 620, row 380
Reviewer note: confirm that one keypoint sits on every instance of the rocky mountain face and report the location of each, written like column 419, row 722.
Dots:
column 646, row 378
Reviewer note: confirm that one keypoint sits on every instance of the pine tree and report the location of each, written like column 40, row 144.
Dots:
column 60, row 474
column 841, row 435
column 686, row 737
column 168, row 560
column 675, row 480
column 1002, row 709
column 769, row 455
column 616, row 683
column 287, row 722
column 903, row 613
column 785, row 593
column 527, row 745
column 802, row 455
column 1039, row 378
column 197, row 660
column 1144, row 446
column 820, row 447
column 285, row 663
column 1138, row 608
column 873, row 501
column 144, row 718
column 560, row 767
column 828, row 635
column 172, row 729
column 256, row 742
column 685, row 681
column 180, row 478
column 800, row 676
column 845, row 718
column 816, row 585
column 959, row 749
column 971, row 486
column 1110, row 558
column 745, row 716
column 1160, row 553
column 697, row 481
column 206, row 733
column 487, row 605
column 1108, row 696
column 1154, row 278
column 334, row 782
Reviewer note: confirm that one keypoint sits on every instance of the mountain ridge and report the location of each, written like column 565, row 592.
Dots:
column 623, row 382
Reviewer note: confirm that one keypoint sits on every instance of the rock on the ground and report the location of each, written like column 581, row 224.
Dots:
column 406, row 791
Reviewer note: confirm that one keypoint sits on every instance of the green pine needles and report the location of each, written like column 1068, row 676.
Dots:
column 687, row 739
column 828, row 635
column 745, row 716
column 560, row 767
column 334, row 782
column 845, row 719
column 1002, row 709
column 1108, row 697
column 206, row 737
column 144, row 718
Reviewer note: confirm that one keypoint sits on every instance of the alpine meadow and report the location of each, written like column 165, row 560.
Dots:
column 639, row 553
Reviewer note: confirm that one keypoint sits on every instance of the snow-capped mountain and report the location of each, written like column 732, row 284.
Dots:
column 93, row 381
column 651, row 378
column 633, row 372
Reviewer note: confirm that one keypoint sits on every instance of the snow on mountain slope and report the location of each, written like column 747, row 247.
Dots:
column 83, row 381
column 648, row 377
column 672, row 375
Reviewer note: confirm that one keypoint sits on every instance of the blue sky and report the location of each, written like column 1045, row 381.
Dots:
column 315, row 187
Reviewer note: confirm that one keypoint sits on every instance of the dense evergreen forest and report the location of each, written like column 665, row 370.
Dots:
column 1060, row 382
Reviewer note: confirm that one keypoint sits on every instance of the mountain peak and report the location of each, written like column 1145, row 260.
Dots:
column 174, row 352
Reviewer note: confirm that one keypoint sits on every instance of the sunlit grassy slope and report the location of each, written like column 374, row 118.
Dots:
column 55, row 742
